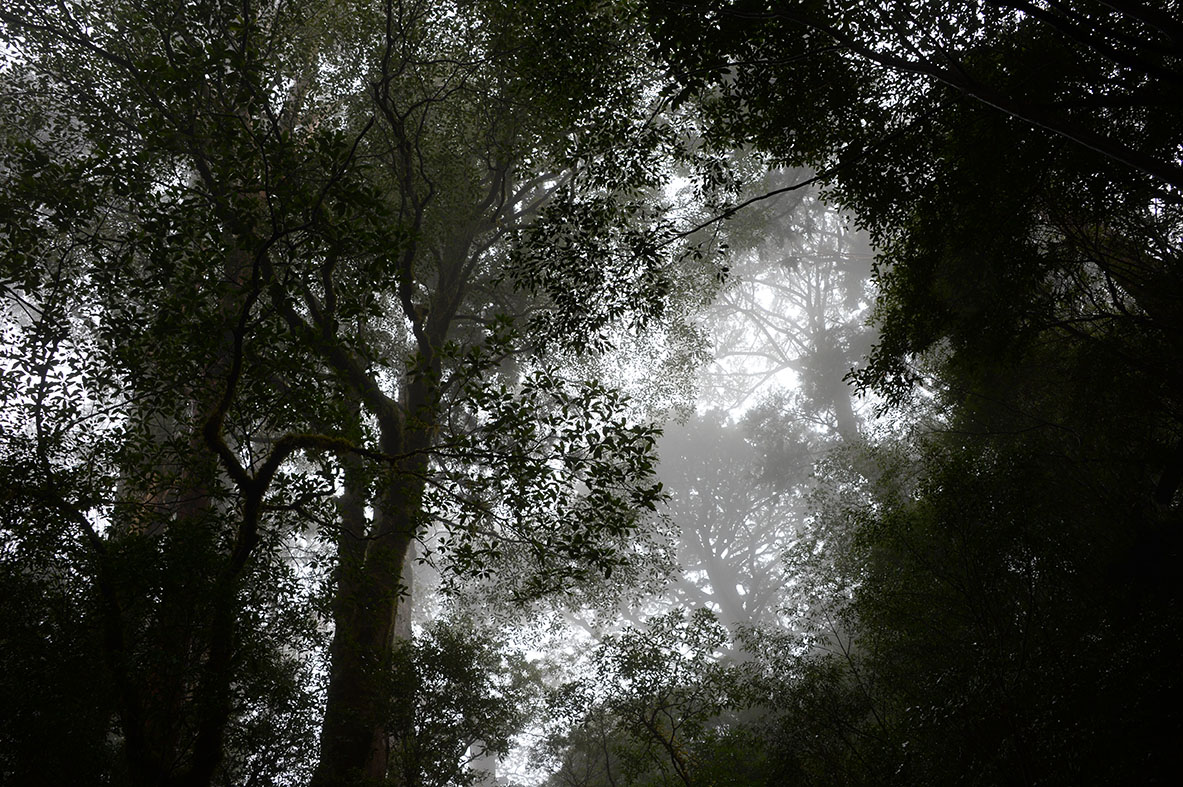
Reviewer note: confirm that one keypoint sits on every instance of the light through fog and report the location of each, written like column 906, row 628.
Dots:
column 743, row 431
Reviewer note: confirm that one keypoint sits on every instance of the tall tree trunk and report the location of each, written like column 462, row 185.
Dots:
column 369, row 595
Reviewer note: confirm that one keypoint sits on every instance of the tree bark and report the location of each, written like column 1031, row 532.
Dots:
column 371, row 592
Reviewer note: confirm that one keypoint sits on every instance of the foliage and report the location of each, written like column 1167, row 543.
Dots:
column 734, row 518
column 264, row 267
column 472, row 697
column 795, row 304
column 654, row 710
column 1000, row 606
column 296, row 292
column 980, row 586
column 1064, row 219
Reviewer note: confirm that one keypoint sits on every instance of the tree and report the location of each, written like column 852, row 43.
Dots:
column 973, row 238
column 272, row 263
column 796, row 303
column 1014, row 164
column 657, row 708
column 472, row 695
column 987, row 52
column 990, row 255
column 131, row 270
column 732, row 524
column 463, row 181
column 988, row 601
column 738, row 494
